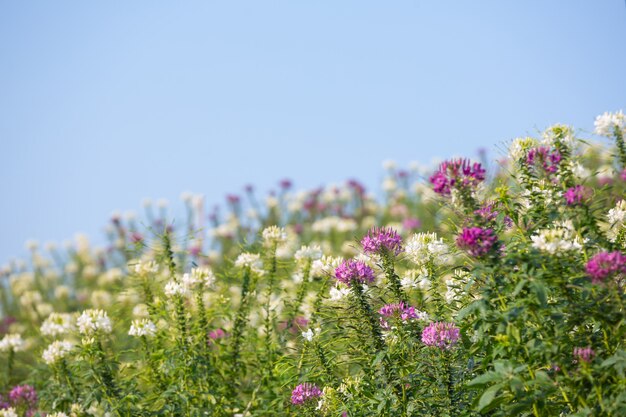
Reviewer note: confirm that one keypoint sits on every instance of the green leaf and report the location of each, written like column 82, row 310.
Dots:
column 488, row 396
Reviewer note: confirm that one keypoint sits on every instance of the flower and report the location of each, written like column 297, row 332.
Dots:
column 173, row 288
column 457, row 173
column 58, row 414
column 273, row 235
column 92, row 321
column 8, row 412
column 584, row 354
column 251, row 261
column 423, row 248
column 441, row 335
column 143, row 327
column 382, row 240
column 577, row 195
column 304, row 393
column 23, row 395
column 605, row 265
column 57, row 324
column 477, row 241
column 313, row 252
column 617, row 219
column 402, row 311
column 557, row 240
column 56, row 351
column 12, row 342
column 607, row 123
column 520, row 147
column 350, row 271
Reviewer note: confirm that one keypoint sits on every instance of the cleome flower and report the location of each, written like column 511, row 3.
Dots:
column 56, row 351
column 607, row 123
column 424, row 248
column 250, row 260
column 57, row 324
column 381, row 240
column 477, row 241
column 12, row 342
column 606, row 265
column 557, row 240
column 93, row 321
column 441, row 335
column 351, row 270
column 457, row 174
column 305, row 393
column 143, row 327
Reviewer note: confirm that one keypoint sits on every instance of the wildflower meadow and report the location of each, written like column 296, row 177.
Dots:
column 471, row 288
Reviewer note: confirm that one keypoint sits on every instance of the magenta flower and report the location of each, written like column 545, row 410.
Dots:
column 382, row 240
column 457, row 173
column 441, row 335
column 399, row 310
column 411, row 223
column 577, row 195
column 584, row 354
column 217, row 334
column 544, row 157
column 476, row 240
column 304, row 393
column 352, row 270
column 23, row 396
column 606, row 265
column 623, row 175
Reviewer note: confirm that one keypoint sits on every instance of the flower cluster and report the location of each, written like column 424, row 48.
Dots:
column 584, row 354
column 401, row 311
column 352, row 270
column 12, row 342
column 57, row 324
column 92, row 321
column 143, row 327
column 250, row 261
column 423, row 248
column 457, row 173
column 304, row 393
column 607, row 123
column 544, row 157
column 441, row 335
column 56, row 351
column 477, row 241
column 577, row 195
column 606, row 265
column 557, row 240
column 381, row 240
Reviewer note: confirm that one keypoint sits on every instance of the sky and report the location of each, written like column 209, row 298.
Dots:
column 103, row 104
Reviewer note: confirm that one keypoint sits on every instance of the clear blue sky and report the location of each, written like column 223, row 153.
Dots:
column 105, row 103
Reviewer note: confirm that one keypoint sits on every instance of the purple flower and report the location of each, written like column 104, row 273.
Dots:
column 577, row 195
column 352, row 270
column 382, row 240
column 23, row 395
column 457, row 173
column 399, row 310
column 305, row 392
column 411, row 223
column 542, row 156
column 441, row 335
column 476, row 240
column 584, row 354
column 605, row 265
column 623, row 175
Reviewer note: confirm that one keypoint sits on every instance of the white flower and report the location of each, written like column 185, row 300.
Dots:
column 325, row 265
column 12, row 342
column 92, row 321
column 557, row 240
column 146, row 268
column 308, row 335
column 57, row 324
column 617, row 220
column 55, row 351
column 250, row 260
column 423, row 248
column 8, row 412
column 313, row 252
column 58, row 414
column 338, row 293
column 173, row 288
column 606, row 123
column 273, row 235
column 519, row 148
column 143, row 327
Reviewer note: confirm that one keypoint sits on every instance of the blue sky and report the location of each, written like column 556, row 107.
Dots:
column 105, row 103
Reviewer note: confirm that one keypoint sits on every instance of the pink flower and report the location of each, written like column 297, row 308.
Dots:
column 577, row 195
column 441, row 335
column 544, row 157
column 382, row 240
column 399, row 310
column 606, row 265
column 305, row 392
column 584, row 354
column 476, row 240
column 457, row 173
column 351, row 270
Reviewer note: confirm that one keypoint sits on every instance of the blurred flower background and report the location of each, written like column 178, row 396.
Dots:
column 104, row 104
